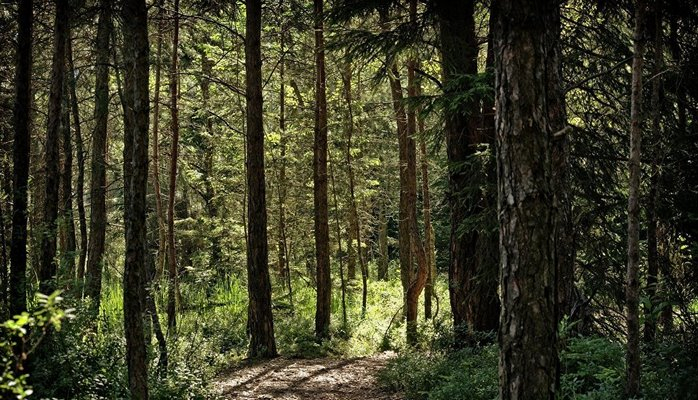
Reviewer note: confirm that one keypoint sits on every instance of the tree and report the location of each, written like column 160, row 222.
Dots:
column 174, row 153
column 632, row 280
column 472, row 286
column 98, row 167
column 136, row 112
column 524, row 33
column 260, row 322
column 21, row 116
column 322, row 233
column 48, row 267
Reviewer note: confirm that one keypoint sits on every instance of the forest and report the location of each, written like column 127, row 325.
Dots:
column 349, row 199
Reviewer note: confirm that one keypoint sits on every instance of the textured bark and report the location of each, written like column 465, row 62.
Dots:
column 322, row 235
column 528, row 324
column 174, row 153
column 98, row 174
column 136, row 112
column 282, row 243
column 632, row 283
column 80, row 155
column 21, row 118
column 650, row 327
column 48, row 267
column 260, row 323
column 472, row 279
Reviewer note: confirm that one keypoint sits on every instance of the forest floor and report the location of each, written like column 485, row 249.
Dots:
column 311, row 379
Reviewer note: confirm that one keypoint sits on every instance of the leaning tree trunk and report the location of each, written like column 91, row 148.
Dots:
column 136, row 112
column 48, row 267
column 98, row 174
column 21, row 118
column 322, row 234
column 528, row 326
column 260, row 322
column 632, row 280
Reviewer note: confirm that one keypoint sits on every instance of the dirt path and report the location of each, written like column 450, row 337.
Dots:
column 315, row 379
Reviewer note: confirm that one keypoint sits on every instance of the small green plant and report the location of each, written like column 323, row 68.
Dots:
column 21, row 336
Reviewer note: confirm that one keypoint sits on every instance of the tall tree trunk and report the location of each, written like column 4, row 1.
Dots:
column 260, row 322
column 282, row 244
column 174, row 152
column 136, row 112
column 159, row 210
column 404, row 239
column 419, row 276
column 67, row 223
column 650, row 328
column 80, row 184
column 98, row 174
column 338, row 230
column 355, row 224
column 21, row 118
column 322, row 234
column 48, row 267
column 632, row 283
column 528, row 326
column 472, row 280
column 428, row 228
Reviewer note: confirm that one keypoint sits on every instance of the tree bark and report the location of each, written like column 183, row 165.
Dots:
column 528, row 327
column 80, row 155
column 21, row 118
column 260, row 322
column 632, row 283
column 322, row 235
column 48, row 267
column 428, row 228
column 338, row 230
column 472, row 279
column 174, row 152
column 98, row 174
column 136, row 113
column 383, row 242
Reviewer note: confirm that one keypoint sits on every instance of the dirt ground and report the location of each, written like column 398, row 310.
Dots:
column 308, row 379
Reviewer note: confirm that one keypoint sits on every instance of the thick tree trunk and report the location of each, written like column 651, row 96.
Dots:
column 528, row 326
column 322, row 235
column 632, row 283
column 260, row 322
column 48, row 267
column 472, row 279
column 80, row 154
column 174, row 152
column 136, row 113
column 21, row 118
column 98, row 174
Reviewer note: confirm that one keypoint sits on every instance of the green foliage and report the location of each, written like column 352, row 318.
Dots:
column 469, row 373
column 592, row 368
column 20, row 337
